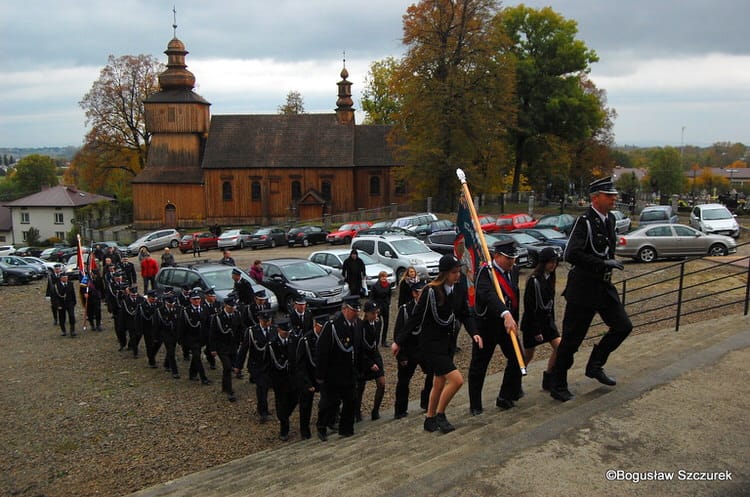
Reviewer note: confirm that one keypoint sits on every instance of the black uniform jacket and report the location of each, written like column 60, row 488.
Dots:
column 301, row 324
column 225, row 333
column 64, row 294
column 591, row 243
column 439, row 316
column 192, row 324
column 306, row 356
column 166, row 322
column 488, row 305
column 340, row 352
column 538, row 306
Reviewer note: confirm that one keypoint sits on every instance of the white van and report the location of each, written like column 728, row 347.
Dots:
column 714, row 219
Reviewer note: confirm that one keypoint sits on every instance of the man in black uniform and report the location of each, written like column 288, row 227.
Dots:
column 301, row 318
column 339, row 364
column 281, row 350
column 306, row 363
column 213, row 307
column 242, row 288
column 591, row 252
column 129, row 325
column 354, row 273
column 94, row 293
column 255, row 342
column 146, row 325
column 52, row 279
column 192, row 323
column 497, row 320
column 128, row 270
column 64, row 299
column 224, row 337
column 167, row 317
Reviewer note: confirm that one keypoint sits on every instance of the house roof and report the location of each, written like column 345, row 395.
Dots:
column 371, row 146
column 6, row 222
column 58, row 196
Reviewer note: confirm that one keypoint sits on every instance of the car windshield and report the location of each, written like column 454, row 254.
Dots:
column 716, row 214
column 230, row 233
column 409, row 247
column 303, row 271
column 263, row 231
column 524, row 238
column 504, row 221
column 655, row 215
column 552, row 234
column 219, row 278
column 346, row 227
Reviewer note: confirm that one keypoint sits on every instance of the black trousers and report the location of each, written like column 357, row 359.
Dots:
column 405, row 372
column 285, row 400
column 492, row 336
column 169, row 359
column 576, row 322
column 385, row 311
column 54, row 311
column 151, row 352
column 306, row 398
column 70, row 312
column 227, row 364
column 149, row 282
column 330, row 397
column 94, row 312
column 196, row 365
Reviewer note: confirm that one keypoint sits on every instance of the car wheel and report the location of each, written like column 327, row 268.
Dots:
column 717, row 249
column 273, row 243
column 305, row 242
column 174, row 244
column 183, row 251
column 291, row 244
column 11, row 280
column 290, row 304
column 647, row 254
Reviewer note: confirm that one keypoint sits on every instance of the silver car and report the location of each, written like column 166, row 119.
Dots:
column 156, row 240
column 334, row 260
column 655, row 241
column 235, row 239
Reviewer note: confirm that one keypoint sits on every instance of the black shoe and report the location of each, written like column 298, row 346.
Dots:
column 400, row 415
column 176, row 376
column 504, row 403
column 152, row 365
column 264, row 418
column 193, row 378
column 375, row 415
column 73, row 334
column 284, row 437
column 599, row 375
column 521, row 394
column 346, row 434
column 305, row 435
column 430, row 424
column 63, row 334
column 560, row 393
column 545, row 381
column 231, row 397
column 443, row 424
column 357, row 417
column 476, row 411
column 322, row 436
column 206, row 381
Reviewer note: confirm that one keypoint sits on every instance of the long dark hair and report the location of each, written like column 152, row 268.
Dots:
column 539, row 274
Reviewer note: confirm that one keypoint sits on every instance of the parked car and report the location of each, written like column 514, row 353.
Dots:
column 122, row 249
column 49, row 253
column 655, row 214
column 236, row 238
column 522, row 253
column 443, row 242
column 547, row 236
column 45, row 266
column 622, row 222
column 267, row 237
column 7, row 249
column 346, row 232
column 531, row 244
column 207, row 275
column 488, row 223
column 306, row 236
column 15, row 261
column 422, row 230
column 384, row 228
column 414, row 220
column 399, row 252
column 156, row 240
column 17, row 275
column 654, row 241
column 558, row 222
column 714, row 219
column 206, row 241
column 290, row 277
column 28, row 251
column 510, row 222
column 334, row 260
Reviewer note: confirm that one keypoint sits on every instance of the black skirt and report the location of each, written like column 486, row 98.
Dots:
column 548, row 334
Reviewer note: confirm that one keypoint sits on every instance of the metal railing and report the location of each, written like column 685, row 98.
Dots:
column 690, row 290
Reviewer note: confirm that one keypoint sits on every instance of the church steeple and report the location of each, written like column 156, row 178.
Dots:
column 345, row 104
column 176, row 77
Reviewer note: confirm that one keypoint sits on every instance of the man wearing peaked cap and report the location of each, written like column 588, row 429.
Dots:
column 353, row 302
column 301, row 318
column 225, row 332
column 589, row 290
column 243, row 288
column 306, row 361
column 281, row 350
column 508, row 248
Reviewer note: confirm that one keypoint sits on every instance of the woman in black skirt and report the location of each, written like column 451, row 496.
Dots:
column 538, row 322
column 442, row 308
column 372, row 361
column 381, row 295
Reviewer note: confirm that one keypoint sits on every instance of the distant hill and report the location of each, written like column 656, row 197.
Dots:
column 65, row 153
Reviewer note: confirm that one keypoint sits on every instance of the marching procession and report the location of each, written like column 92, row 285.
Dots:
column 336, row 356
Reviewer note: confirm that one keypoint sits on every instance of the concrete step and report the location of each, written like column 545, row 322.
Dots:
column 396, row 457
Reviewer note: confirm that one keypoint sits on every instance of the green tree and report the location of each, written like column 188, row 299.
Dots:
column 34, row 172
column 379, row 101
column 627, row 183
column 294, row 104
column 455, row 90
column 32, row 237
column 556, row 105
column 114, row 110
column 665, row 172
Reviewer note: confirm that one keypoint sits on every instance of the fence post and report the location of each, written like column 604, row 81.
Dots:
column 747, row 286
column 679, row 297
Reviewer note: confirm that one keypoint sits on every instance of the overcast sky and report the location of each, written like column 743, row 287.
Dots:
column 665, row 64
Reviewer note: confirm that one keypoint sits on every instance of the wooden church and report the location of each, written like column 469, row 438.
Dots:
column 235, row 170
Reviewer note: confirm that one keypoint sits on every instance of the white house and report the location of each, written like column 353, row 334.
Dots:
column 51, row 211
column 6, row 226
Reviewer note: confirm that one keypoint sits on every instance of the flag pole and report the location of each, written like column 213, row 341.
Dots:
column 486, row 254
column 81, row 278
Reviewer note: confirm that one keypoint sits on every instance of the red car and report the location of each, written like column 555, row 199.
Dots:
column 487, row 223
column 346, row 232
column 510, row 222
column 205, row 239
